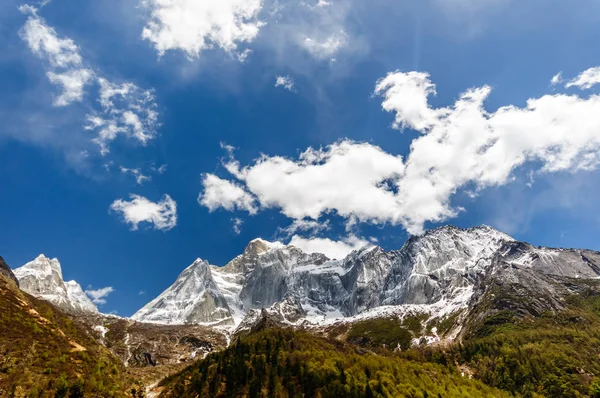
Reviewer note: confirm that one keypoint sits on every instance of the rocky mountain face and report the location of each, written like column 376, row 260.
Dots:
column 43, row 279
column 7, row 272
column 439, row 273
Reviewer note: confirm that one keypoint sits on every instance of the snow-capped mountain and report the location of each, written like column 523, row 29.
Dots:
column 437, row 271
column 43, row 278
column 193, row 298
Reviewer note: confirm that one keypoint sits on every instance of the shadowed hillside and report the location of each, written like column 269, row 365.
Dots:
column 44, row 353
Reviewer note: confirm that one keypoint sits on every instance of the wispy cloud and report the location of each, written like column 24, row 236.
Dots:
column 139, row 177
column 125, row 109
column 237, row 225
column 286, row 82
column 586, row 80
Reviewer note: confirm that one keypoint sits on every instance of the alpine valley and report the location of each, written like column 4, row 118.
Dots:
column 453, row 312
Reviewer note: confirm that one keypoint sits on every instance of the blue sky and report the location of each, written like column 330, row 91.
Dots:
column 198, row 96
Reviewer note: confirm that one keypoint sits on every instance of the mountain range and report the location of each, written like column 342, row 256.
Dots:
column 449, row 284
column 438, row 274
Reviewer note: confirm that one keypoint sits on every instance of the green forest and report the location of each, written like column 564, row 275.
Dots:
column 553, row 355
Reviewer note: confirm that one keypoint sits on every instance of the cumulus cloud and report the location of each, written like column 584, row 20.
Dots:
column 462, row 146
column 347, row 177
column 162, row 214
column 98, row 296
column 286, row 82
column 223, row 193
column 192, row 26
column 586, row 80
column 125, row 109
column 465, row 144
column 314, row 27
column 330, row 248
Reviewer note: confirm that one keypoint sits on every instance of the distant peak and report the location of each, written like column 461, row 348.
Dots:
column 44, row 261
column 258, row 246
column 452, row 228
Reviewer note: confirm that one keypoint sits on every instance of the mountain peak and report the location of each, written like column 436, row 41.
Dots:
column 44, row 265
column 43, row 278
column 258, row 246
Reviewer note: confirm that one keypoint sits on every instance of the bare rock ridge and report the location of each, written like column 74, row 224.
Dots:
column 439, row 272
column 7, row 272
column 43, row 278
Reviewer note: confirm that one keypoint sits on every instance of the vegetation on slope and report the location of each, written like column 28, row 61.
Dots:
column 43, row 353
column 285, row 363
column 552, row 355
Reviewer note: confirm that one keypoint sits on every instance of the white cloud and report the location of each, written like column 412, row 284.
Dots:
column 65, row 64
column 461, row 147
column 139, row 177
column 237, row 225
column 162, row 214
column 319, row 28
column 44, row 42
column 141, row 292
column 287, row 82
column 73, row 83
column 193, row 26
column 327, row 47
column 224, row 193
column 556, row 79
column 464, row 144
column 305, row 225
column 347, row 177
column 332, row 249
column 586, row 80
column 98, row 296
column 125, row 109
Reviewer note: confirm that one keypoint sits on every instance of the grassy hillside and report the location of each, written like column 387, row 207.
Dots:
column 284, row 363
column 553, row 355
column 43, row 353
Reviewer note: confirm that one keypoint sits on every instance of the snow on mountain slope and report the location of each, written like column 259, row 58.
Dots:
column 78, row 298
column 43, row 278
column 434, row 273
column 440, row 263
column 193, row 298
